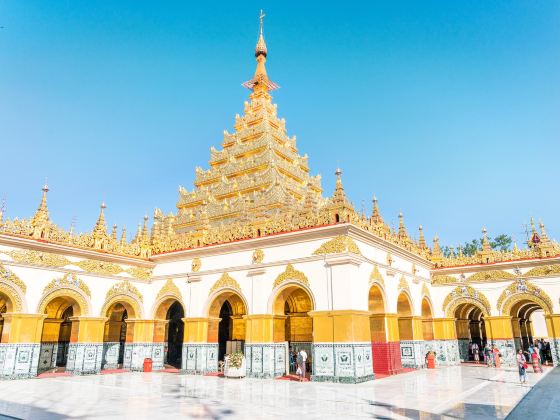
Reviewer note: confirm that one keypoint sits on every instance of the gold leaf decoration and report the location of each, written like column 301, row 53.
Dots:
column 543, row 271
column 338, row 245
column 376, row 276
column 258, row 256
column 8, row 290
column 140, row 273
column 290, row 273
column 45, row 259
column 124, row 288
column 489, row 276
column 196, row 264
column 425, row 290
column 523, row 290
column 444, row 279
column 169, row 289
column 99, row 267
column 225, row 281
column 7, row 275
column 71, row 281
column 403, row 284
column 465, row 294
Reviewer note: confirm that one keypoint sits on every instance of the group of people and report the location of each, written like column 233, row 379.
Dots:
column 490, row 354
column 533, row 355
column 298, row 362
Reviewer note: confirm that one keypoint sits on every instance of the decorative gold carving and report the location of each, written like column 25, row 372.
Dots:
column 225, row 281
column 39, row 258
column 124, row 288
column 376, row 276
column 389, row 259
column 13, row 295
column 523, row 290
column 140, row 273
column 338, row 245
column 7, row 275
column 258, row 256
column 465, row 294
column 65, row 293
column 425, row 290
column 169, row 289
column 196, row 264
column 99, row 267
column 290, row 273
column 123, row 299
column 439, row 279
column 70, row 280
column 543, row 271
column 490, row 276
column 403, row 284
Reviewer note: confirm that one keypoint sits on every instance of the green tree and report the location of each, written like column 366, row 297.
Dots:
column 499, row 243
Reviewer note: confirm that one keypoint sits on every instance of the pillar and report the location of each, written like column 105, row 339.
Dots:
column 85, row 351
column 145, row 339
column 112, row 344
column 342, row 350
column 20, row 345
column 385, row 344
column 500, row 333
column 516, row 333
column 266, row 348
column 411, row 341
column 445, row 343
column 553, row 328
column 50, row 345
column 200, row 345
column 463, row 331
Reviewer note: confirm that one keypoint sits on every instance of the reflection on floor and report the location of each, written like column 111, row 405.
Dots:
column 453, row 392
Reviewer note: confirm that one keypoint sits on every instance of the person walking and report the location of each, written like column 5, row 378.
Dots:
column 292, row 360
column 497, row 357
column 301, row 360
column 476, row 354
column 488, row 356
column 535, row 361
column 522, row 366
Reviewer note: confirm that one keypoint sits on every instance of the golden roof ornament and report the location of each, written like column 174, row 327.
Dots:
column 421, row 239
column 402, row 233
column 40, row 221
column 100, row 237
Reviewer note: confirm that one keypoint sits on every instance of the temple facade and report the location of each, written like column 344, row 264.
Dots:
column 256, row 259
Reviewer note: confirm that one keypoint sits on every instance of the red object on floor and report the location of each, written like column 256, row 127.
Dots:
column 292, row 378
column 386, row 358
column 431, row 359
column 147, row 365
column 219, row 374
column 53, row 374
column 109, row 371
column 169, row 370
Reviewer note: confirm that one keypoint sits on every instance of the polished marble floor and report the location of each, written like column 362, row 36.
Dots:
column 453, row 392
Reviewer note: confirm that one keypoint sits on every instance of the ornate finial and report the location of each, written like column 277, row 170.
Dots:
column 260, row 80
column 544, row 236
column 376, row 218
column 114, row 233
column 123, row 235
column 421, row 240
column 437, row 250
column 460, row 254
column 100, row 237
column 485, row 244
column 40, row 221
column 402, row 233
column 535, row 239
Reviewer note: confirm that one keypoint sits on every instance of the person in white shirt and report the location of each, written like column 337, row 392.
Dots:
column 301, row 359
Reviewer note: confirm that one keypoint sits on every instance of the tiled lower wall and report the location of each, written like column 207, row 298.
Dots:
column 84, row 358
column 18, row 361
column 342, row 362
column 412, row 354
column 447, row 351
column 135, row 353
column 199, row 358
column 266, row 360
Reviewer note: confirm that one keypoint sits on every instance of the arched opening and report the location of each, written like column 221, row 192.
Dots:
column 404, row 313
column 6, row 305
column 114, row 338
column 521, row 323
column 294, row 302
column 229, row 308
column 175, row 332
column 57, row 332
column 471, row 331
column 427, row 320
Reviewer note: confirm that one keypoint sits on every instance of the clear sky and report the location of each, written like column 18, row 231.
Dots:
column 446, row 110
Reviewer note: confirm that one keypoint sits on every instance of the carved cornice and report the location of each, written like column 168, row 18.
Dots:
column 39, row 258
column 99, row 267
column 71, row 281
column 338, row 245
column 490, row 276
column 544, row 271
column 169, row 289
column 225, row 281
column 290, row 273
column 376, row 277
column 441, row 279
column 403, row 284
column 7, row 275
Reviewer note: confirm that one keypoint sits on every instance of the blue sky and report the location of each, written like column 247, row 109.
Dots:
column 446, row 110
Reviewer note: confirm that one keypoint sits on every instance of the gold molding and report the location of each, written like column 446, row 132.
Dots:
column 12, row 294
column 225, row 281
column 376, row 277
column 441, row 279
column 131, row 300
column 68, row 281
column 125, row 288
column 465, row 294
column 64, row 292
column 169, row 289
column 258, row 256
column 403, row 284
column 490, row 276
column 196, row 264
column 290, row 273
column 544, row 271
column 340, row 244
column 520, row 290
column 7, row 275
column 46, row 259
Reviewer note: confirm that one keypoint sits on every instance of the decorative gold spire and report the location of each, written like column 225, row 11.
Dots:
column 100, row 237
column 421, row 240
column 485, row 244
column 402, row 233
column 436, row 251
column 114, row 233
column 260, row 81
column 376, row 218
column 123, row 236
column 544, row 236
column 535, row 239
column 144, row 236
column 40, row 221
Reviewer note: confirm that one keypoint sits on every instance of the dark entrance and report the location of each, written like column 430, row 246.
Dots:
column 224, row 329
column 175, row 331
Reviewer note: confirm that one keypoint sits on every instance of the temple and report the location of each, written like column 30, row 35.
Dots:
column 257, row 259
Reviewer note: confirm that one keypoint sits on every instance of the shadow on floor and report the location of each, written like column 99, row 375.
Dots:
column 543, row 401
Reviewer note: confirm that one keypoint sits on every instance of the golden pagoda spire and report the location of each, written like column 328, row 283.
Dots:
column 376, row 218
column 114, row 233
column 544, row 236
column 40, row 220
column 402, row 233
column 144, row 236
column 436, row 251
column 421, row 240
column 460, row 251
column 260, row 80
column 485, row 244
column 123, row 235
column 100, row 237
column 535, row 239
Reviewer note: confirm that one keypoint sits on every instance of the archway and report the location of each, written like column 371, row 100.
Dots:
column 172, row 310
column 5, row 304
column 521, row 323
column 229, row 308
column 57, row 332
column 470, row 328
column 115, row 335
column 427, row 320
column 404, row 313
column 294, row 303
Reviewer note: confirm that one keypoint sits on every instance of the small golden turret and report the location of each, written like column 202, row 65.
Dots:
column 402, row 233
column 40, row 221
column 123, row 236
column 421, row 240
